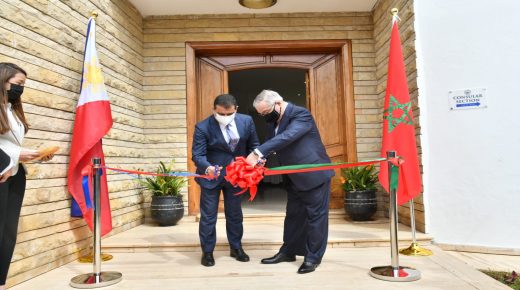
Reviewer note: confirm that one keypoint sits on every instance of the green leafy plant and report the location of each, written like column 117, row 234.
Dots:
column 509, row 278
column 164, row 185
column 359, row 178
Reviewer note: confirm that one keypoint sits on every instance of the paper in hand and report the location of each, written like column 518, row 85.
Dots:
column 46, row 152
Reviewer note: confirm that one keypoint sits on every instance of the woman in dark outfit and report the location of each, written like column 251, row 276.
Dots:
column 13, row 127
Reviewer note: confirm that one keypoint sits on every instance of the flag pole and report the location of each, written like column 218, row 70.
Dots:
column 89, row 258
column 414, row 249
column 97, row 218
column 96, row 279
column 394, row 272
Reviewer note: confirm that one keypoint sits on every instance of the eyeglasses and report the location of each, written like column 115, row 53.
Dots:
column 267, row 113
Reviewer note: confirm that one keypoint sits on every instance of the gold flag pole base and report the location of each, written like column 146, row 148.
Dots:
column 89, row 258
column 415, row 250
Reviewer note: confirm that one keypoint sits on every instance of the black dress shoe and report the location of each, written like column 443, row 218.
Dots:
column 279, row 257
column 239, row 255
column 307, row 267
column 207, row 260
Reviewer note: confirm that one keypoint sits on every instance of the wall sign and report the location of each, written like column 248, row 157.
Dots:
column 468, row 99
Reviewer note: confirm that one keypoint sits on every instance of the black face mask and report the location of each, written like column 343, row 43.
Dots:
column 14, row 94
column 273, row 116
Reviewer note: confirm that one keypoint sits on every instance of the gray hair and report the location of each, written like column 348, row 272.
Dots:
column 270, row 97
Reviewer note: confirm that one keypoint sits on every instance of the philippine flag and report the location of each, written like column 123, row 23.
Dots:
column 93, row 121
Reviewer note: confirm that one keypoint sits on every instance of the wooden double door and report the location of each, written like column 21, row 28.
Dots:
column 329, row 90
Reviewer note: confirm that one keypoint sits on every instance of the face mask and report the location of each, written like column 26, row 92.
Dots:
column 14, row 94
column 224, row 120
column 273, row 116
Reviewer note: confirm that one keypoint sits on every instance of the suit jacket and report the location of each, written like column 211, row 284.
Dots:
column 298, row 142
column 210, row 148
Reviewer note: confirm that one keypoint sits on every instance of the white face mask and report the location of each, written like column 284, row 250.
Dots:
column 224, row 120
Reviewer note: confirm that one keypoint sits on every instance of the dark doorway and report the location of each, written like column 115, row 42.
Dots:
column 245, row 86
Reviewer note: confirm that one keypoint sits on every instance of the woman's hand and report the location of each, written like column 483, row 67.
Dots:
column 28, row 155
column 6, row 175
column 47, row 158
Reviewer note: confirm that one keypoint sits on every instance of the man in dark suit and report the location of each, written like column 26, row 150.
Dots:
column 294, row 137
column 216, row 142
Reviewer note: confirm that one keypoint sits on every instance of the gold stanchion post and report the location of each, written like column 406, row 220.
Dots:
column 90, row 258
column 414, row 249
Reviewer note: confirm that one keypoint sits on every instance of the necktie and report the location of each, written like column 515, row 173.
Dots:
column 233, row 139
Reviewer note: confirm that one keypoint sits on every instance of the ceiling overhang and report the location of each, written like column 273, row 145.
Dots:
column 194, row 7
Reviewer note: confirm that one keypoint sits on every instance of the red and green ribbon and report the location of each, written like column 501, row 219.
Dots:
column 394, row 177
column 173, row 173
column 301, row 168
column 240, row 174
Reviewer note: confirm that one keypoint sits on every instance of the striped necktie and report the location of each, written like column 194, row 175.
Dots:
column 233, row 139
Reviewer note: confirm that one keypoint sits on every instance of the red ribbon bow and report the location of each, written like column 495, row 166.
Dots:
column 240, row 173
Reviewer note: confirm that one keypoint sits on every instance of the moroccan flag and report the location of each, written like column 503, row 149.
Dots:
column 398, row 129
column 93, row 121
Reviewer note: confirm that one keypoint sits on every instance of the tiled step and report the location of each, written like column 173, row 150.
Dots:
column 335, row 215
column 259, row 233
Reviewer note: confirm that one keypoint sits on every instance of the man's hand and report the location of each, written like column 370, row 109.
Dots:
column 252, row 159
column 6, row 175
column 261, row 162
column 212, row 171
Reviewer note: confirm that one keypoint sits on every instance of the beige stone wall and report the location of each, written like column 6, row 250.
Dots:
column 165, row 72
column 145, row 72
column 47, row 39
column 382, row 29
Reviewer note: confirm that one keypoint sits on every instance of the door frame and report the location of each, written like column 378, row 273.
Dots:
column 194, row 49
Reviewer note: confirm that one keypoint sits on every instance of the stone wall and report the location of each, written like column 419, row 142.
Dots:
column 145, row 72
column 382, row 29
column 165, row 67
column 47, row 39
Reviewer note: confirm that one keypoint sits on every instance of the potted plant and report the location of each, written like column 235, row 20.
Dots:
column 167, row 207
column 359, row 185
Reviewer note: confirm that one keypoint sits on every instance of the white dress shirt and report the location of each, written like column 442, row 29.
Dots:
column 11, row 141
column 260, row 154
column 232, row 127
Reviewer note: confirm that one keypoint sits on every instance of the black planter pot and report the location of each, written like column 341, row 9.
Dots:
column 167, row 210
column 361, row 205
